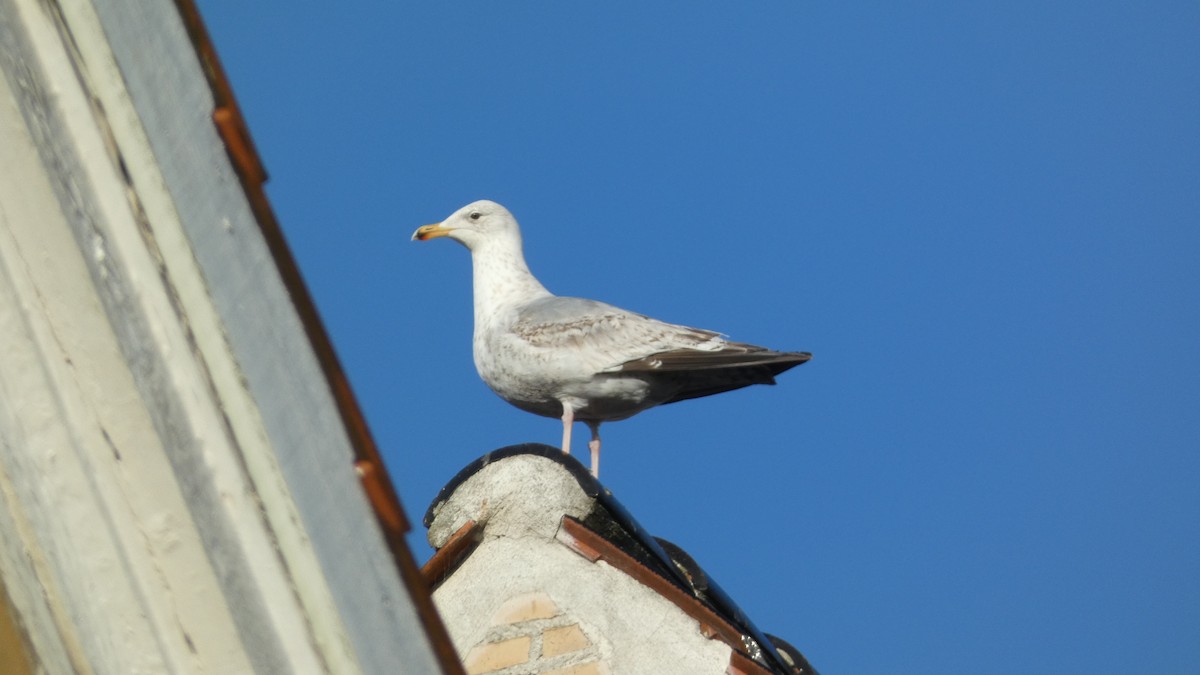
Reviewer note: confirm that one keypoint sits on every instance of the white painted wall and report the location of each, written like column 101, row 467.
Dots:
column 177, row 490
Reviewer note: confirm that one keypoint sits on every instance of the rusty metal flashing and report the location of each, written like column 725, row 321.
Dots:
column 575, row 535
column 456, row 549
column 740, row 664
column 14, row 642
column 369, row 465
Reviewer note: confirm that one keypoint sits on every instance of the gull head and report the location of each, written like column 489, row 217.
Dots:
column 473, row 224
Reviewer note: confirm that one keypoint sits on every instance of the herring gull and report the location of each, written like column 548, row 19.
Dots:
column 578, row 359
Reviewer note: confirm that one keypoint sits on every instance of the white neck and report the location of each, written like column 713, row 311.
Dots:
column 502, row 279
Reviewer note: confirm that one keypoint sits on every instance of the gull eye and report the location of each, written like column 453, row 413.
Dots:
column 475, row 215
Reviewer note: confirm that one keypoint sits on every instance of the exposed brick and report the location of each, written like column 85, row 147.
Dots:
column 486, row 658
column 593, row 668
column 525, row 608
column 557, row 641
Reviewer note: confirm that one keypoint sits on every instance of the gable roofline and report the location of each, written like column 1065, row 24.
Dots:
column 611, row 533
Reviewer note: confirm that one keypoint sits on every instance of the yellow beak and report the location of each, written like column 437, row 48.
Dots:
column 431, row 232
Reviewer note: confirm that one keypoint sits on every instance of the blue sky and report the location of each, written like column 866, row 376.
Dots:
column 983, row 219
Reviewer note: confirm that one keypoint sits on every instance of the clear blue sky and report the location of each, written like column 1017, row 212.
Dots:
column 982, row 218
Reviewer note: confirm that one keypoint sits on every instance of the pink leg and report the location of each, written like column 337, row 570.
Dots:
column 594, row 446
column 568, row 417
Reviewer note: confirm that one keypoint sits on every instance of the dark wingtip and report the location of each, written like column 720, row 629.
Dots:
column 788, row 361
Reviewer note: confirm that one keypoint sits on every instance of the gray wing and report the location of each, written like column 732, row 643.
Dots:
column 607, row 337
column 697, row 362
